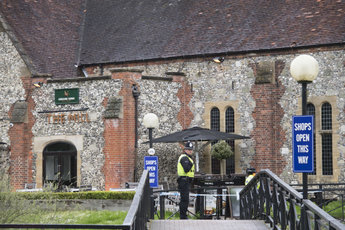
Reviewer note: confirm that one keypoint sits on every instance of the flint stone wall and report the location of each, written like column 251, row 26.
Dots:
column 91, row 95
column 233, row 80
column 12, row 68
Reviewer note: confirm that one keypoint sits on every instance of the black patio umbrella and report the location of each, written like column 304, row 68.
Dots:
column 197, row 134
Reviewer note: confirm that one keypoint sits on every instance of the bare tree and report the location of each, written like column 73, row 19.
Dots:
column 12, row 204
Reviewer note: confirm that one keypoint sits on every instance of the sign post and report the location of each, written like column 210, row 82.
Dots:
column 303, row 144
column 151, row 164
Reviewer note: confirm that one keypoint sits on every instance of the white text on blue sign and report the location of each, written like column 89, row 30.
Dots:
column 303, row 137
column 303, row 153
column 151, row 164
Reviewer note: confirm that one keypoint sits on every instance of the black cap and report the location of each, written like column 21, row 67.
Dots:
column 250, row 170
column 188, row 146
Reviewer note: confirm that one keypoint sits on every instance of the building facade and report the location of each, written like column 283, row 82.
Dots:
column 85, row 128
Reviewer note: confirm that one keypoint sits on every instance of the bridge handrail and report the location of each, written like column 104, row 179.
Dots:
column 269, row 198
column 140, row 209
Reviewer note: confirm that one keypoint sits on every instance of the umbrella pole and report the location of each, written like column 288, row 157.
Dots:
column 196, row 157
column 197, row 150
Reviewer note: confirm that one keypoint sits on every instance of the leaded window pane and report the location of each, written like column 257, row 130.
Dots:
column 327, row 160
column 215, row 125
column 230, row 128
column 60, row 146
column 311, row 111
column 229, row 120
column 326, row 116
column 230, row 162
column 215, row 119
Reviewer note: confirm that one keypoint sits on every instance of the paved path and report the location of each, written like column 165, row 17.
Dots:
column 208, row 225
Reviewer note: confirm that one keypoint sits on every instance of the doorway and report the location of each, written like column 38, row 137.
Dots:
column 60, row 165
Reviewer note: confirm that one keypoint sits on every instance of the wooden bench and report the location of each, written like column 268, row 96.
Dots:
column 84, row 188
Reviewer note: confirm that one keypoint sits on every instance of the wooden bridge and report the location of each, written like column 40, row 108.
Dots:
column 207, row 225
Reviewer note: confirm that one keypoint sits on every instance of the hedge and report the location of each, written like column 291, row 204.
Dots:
column 104, row 195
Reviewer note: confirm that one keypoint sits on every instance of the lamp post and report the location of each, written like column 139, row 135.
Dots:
column 304, row 70
column 150, row 122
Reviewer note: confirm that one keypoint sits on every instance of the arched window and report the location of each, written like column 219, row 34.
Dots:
column 326, row 136
column 229, row 120
column 215, row 125
column 311, row 111
column 215, row 119
column 60, row 164
column 230, row 128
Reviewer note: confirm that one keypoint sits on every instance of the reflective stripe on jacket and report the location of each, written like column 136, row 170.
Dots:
column 249, row 178
column 180, row 169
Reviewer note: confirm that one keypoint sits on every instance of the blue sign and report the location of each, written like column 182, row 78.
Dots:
column 303, row 143
column 151, row 164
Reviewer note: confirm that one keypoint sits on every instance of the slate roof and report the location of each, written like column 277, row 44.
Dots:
column 128, row 30
column 48, row 32
column 55, row 35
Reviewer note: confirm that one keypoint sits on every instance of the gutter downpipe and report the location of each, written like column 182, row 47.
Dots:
column 85, row 72
column 136, row 93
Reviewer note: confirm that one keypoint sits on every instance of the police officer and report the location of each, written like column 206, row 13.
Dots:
column 185, row 171
column 250, row 174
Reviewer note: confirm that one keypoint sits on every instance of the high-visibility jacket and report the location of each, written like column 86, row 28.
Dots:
column 249, row 178
column 180, row 170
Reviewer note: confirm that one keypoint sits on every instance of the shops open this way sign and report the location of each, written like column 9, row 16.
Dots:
column 151, row 164
column 303, row 144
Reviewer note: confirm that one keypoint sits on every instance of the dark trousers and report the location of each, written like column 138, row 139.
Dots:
column 183, row 187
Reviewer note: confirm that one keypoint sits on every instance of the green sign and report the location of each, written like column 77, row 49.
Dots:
column 66, row 96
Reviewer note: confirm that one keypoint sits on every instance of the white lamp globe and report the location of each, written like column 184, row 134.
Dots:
column 304, row 68
column 151, row 121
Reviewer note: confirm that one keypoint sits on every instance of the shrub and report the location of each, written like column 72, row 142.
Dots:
column 221, row 150
column 12, row 204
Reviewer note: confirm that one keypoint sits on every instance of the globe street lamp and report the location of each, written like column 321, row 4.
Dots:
column 150, row 122
column 304, row 70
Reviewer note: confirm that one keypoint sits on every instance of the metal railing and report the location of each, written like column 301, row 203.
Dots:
column 196, row 200
column 269, row 198
column 140, row 211
column 325, row 193
column 136, row 219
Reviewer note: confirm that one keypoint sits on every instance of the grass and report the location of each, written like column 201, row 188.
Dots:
column 117, row 217
column 334, row 209
column 75, row 217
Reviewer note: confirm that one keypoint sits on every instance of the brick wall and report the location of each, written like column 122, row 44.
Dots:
column 119, row 135
column 268, row 133
column 184, row 94
column 20, row 135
